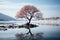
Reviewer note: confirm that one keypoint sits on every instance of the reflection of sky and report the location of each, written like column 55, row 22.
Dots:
column 11, row 32
column 47, row 30
column 49, row 8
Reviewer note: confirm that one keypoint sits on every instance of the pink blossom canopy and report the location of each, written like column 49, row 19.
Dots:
column 25, row 9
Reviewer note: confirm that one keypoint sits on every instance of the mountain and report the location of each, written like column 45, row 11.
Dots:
column 4, row 17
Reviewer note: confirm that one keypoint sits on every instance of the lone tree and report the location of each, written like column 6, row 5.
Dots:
column 28, row 12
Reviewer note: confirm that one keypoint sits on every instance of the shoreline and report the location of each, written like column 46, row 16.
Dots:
column 47, row 22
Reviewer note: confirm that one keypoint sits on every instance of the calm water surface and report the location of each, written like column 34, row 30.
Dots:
column 49, row 32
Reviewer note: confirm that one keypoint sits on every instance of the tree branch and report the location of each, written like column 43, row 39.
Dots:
column 27, row 18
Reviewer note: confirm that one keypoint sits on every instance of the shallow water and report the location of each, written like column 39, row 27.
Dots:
column 50, row 32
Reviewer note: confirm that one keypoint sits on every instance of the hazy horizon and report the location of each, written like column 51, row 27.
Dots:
column 49, row 8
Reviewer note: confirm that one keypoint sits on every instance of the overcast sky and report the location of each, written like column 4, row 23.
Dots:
column 49, row 8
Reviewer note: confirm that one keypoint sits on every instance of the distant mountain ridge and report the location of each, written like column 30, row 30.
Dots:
column 4, row 17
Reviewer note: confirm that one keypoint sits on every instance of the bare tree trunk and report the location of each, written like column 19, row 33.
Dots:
column 29, row 26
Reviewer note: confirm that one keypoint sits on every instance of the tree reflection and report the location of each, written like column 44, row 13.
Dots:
column 37, row 36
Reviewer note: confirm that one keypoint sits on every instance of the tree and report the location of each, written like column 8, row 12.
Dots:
column 28, row 12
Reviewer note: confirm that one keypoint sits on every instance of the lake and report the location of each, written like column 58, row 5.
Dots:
column 50, row 32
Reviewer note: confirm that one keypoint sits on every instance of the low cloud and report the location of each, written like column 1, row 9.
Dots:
column 9, row 8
